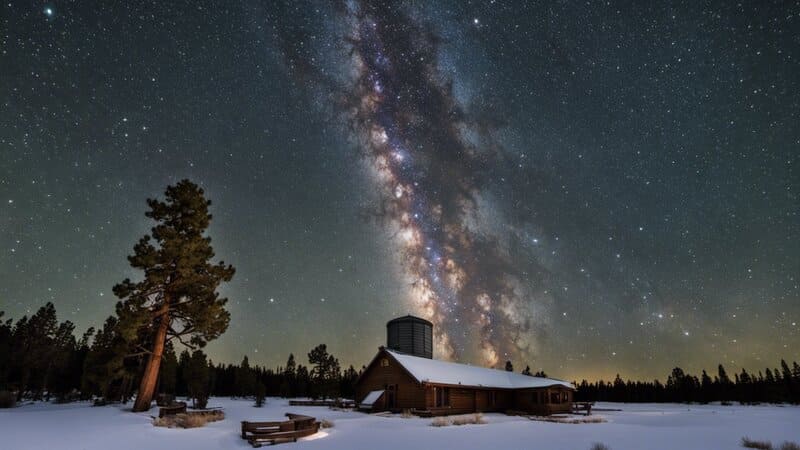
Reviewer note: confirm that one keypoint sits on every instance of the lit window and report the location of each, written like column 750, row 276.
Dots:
column 385, row 362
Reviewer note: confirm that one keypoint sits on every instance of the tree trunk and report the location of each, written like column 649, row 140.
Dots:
column 148, row 385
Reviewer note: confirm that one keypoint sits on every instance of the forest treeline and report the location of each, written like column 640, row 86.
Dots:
column 42, row 358
column 776, row 385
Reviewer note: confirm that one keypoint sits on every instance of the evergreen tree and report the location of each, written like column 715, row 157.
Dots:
column 791, row 391
column 196, row 376
column 724, row 393
column 289, row 379
column 245, row 379
column 261, row 393
column 168, row 377
column 348, row 384
column 527, row 371
column 104, row 365
column 325, row 372
column 181, row 386
column 59, row 378
column 177, row 298
column 509, row 366
column 32, row 349
column 303, row 381
column 5, row 351
column 706, row 387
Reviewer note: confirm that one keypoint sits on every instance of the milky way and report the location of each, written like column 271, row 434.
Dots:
column 415, row 134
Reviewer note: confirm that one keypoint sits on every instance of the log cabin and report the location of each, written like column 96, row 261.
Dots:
column 405, row 376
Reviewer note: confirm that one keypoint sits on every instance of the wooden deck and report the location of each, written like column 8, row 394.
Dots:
column 260, row 433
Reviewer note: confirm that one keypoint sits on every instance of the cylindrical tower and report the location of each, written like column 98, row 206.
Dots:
column 410, row 335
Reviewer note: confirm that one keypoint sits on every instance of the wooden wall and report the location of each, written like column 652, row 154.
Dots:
column 539, row 401
column 409, row 394
column 385, row 371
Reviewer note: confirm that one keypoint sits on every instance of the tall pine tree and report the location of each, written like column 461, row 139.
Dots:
column 177, row 298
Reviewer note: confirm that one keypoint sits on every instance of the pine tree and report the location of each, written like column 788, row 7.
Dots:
column 168, row 377
column 527, row 371
column 509, row 366
column 197, row 378
column 5, row 350
column 177, row 298
column 724, row 384
column 245, row 379
column 333, row 378
column 348, row 384
column 705, row 387
column 104, row 363
column 303, row 381
column 181, row 386
column 789, row 384
column 32, row 348
column 325, row 372
column 289, row 381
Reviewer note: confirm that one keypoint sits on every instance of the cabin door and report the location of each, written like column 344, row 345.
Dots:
column 391, row 396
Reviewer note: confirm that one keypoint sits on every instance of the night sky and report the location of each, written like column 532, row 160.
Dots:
column 590, row 188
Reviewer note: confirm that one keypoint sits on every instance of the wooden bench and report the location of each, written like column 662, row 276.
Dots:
column 577, row 407
column 260, row 433
column 171, row 410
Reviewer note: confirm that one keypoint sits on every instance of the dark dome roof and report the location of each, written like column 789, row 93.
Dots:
column 409, row 318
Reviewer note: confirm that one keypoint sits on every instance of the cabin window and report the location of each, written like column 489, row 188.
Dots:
column 385, row 362
column 441, row 397
column 555, row 397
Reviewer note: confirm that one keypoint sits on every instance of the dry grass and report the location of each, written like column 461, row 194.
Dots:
column 440, row 422
column 761, row 445
column 325, row 423
column 406, row 414
column 470, row 419
column 767, row 445
column 189, row 420
column 572, row 420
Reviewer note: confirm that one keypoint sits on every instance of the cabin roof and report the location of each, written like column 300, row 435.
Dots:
column 371, row 398
column 443, row 372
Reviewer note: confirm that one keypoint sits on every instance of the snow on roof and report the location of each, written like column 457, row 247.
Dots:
column 433, row 371
column 371, row 398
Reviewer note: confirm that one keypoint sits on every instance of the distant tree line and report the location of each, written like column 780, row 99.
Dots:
column 777, row 385
column 43, row 360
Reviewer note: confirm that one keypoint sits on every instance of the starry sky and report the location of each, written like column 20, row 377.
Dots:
column 589, row 188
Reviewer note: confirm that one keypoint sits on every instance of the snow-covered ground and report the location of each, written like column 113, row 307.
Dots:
column 649, row 426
